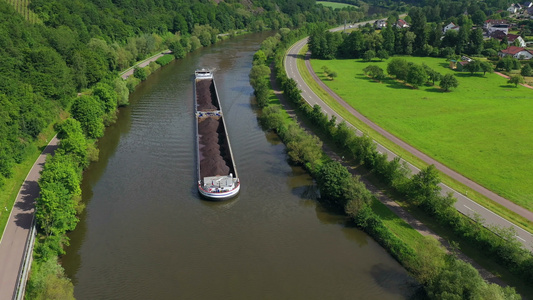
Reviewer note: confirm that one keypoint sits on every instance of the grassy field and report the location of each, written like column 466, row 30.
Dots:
column 481, row 129
column 334, row 4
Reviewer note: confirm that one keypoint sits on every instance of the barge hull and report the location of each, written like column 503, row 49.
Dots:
column 217, row 175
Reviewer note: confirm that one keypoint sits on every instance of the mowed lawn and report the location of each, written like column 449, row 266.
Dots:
column 334, row 4
column 482, row 129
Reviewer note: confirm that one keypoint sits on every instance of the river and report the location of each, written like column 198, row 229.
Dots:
column 146, row 234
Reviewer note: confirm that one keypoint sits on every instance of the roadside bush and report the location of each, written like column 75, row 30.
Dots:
column 166, row 59
column 140, row 73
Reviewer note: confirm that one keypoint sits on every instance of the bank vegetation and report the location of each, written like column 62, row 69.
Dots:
column 441, row 274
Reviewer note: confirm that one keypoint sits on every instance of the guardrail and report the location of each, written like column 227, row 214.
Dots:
column 26, row 263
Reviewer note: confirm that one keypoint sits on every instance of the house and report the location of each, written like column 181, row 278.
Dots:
column 450, row 26
column 492, row 25
column 516, row 52
column 458, row 65
column 402, row 24
column 527, row 5
column 490, row 22
column 511, row 38
column 498, row 34
column 380, row 24
column 514, row 8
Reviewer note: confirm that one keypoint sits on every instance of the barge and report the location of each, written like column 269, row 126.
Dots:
column 217, row 175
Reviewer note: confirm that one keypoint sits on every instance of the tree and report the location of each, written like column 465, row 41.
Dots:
column 418, row 26
column 416, row 75
column 107, row 96
column 476, row 41
column 516, row 79
column 424, row 185
column 259, row 57
column 332, row 179
column 388, row 39
column 473, row 66
column 383, row 54
column 448, row 81
column 369, row 54
column 177, row 49
column 479, row 17
column 486, row 66
column 408, row 42
column 88, row 112
column 432, row 74
column 458, row 280
column 139, row 73
column 526, row 70
column 398, row 67
column 374, row 72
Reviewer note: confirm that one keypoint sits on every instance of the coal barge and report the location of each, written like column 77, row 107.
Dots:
column 217, row 175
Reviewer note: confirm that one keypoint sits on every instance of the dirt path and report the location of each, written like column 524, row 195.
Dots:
column 16, row 233
column 393, row 206
column 522, row 84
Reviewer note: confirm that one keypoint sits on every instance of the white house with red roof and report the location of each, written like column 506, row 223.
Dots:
column 511, row 38
column 402, row 24
column 516, row 52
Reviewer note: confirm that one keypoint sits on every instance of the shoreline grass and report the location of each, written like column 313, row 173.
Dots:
column 504, row 212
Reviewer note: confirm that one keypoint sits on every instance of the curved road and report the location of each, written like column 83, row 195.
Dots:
column 17, row 230
column 464, row 204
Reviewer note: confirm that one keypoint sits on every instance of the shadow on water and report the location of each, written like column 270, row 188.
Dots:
column 387, row 278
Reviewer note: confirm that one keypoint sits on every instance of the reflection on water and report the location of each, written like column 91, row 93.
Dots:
column 146, row 234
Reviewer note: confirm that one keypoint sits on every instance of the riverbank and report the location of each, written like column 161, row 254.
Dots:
column 390, row 242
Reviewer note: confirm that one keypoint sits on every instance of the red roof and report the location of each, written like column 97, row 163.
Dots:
column 496, row 22
column 512, row 50
column 512, row 37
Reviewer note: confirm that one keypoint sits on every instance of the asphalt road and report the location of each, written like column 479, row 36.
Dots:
column 464, row 204
column 16, row 232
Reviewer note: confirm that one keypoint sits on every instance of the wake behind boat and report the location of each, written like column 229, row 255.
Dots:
column 217, row 175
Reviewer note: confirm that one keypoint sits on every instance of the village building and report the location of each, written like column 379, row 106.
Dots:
column 458, row 65
column 402, row 24
column 516, row 52
column 492, row 25
column 511, row 38
column 450, row 26
column 380, row 24
column 514, row 8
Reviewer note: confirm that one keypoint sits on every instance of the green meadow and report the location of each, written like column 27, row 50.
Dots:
column 482, row 129
column 334, row 5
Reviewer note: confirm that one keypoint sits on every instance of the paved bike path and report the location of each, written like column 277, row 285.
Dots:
column 16, row 232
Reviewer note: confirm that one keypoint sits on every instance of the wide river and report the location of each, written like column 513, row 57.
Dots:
column 146, row 234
